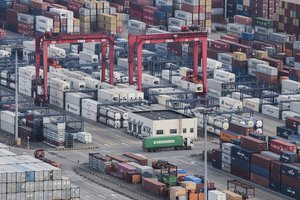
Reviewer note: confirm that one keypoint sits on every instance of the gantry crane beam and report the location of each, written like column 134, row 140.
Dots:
column 140, row 40
column 42, row 43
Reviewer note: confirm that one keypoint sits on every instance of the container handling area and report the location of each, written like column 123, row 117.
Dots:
column 149, row 99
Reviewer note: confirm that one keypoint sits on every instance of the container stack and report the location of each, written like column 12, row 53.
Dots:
column 56, row 20
column 7, row 121
column 85, row 20
column 107, row 22
column 63, row 14
column 217, row 11
column 262, row 29
column 288, row 23
column 267, row 162
column 220, row 82
column 110, row 117
column 99, row 162
column 84, row 137
column 73, row 102
column 90, row 109
column 26, row 24
column 54, row 134
column 92, row 6
column 26, row 77
column 30, row 178
column 43, row 24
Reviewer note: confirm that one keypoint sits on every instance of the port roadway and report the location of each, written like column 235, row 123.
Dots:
column 116, row 141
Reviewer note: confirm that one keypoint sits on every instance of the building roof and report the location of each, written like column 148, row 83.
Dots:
column 162, row 114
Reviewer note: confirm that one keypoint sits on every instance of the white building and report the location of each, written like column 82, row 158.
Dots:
column 161, row 123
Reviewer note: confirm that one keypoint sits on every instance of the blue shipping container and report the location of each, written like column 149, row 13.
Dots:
column 259, row 136
column 295, row 139
column 284, row 132
column 290, row 191
column 260, row 171
column 288, row 157
column 193, row 179
column 260, row 37
column 5, row 4
column 216, row 164
column 239, row 152
column 159, row 15
column 248, row 36
column 291, row 170
column 29, row 176
column 274, row 185
column 237, row 162
column 167, row 9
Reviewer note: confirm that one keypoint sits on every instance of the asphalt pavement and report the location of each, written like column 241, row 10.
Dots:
column 116, row 141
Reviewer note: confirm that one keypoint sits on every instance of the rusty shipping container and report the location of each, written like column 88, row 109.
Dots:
column 253, row 144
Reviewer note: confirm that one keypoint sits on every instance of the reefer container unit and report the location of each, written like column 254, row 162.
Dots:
column 162, row 142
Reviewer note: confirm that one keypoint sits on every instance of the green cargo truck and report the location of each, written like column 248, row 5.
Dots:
column 167, row 142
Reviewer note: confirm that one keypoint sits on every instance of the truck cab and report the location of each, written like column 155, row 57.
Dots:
column 188, row 143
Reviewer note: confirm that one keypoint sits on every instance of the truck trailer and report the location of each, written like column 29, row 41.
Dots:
column 167, row 142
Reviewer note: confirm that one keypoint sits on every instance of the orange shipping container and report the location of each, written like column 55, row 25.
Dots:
column 228, row 135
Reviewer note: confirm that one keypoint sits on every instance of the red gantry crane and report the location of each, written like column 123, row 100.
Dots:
column 195, row 37
column 42, row 43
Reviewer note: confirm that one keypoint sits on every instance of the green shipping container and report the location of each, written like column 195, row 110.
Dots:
column 162, row 142
column 266, row 23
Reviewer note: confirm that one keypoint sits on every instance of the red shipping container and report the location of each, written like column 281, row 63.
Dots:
column 13, row 17
column 25, row 26
column 275, row 171
column 266, row 78
column 153, row 185
column 259, row 180
column 39, row 5
column 21, row 8
column 73, row 6
column 240, row 128
column 240, row 172
column 230, row 38
column 134, row 14
column 213, row 53
column 290, row 181
column 149, row 10
column 292, row 122
column 119, row 8
column 242, row 20
column 260, row 160
column 220, row 46
column 190, row 8
column 3, row 33
column 277, row 146
column 254, row 144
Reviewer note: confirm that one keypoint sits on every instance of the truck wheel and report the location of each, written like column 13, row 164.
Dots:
column 189, row 148
column 149, row 150
column 176, row 148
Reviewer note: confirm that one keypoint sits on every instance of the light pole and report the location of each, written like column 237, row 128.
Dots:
column 16, row 100
column 28, row 142
column 205, row 157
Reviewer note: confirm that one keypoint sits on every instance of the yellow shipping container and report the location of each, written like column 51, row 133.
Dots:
column 208, row 9
column 107, row 18
column 281, row 26
column 85, row 19
column 188, row 185
column 208, row 2
column 208, row 23
column 260, row 54
column 231, row 195
column 239, row 56
column 55, row 30
column 85, row 25
column 176, row 191
column 246, row 3
column 76, row 22
column 107, row 26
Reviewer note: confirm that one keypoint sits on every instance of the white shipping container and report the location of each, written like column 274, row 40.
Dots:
column 90, row 104
column 43, row 24
column 25, row 90
column 25, row 18
column 266, row 69
column 88, row 56
column 150, row 80
column 253, row 62
column 252, row 104
column 214, row 93
column 290, row 85
column 230, row 103
column 236, row 28
column 76, row 84
column 226, row 148
column 89, row 114
column 287, row 113
column 84, row 137
column 56, row 52
column 84, row 12
column 216, row 195
column 56, row 102
column 172, row 21
column 226, row 167
column 91, row 83
column 60, row 84
column 270, row 110
column 226, row 158
column 213, row 64
column 8, row 127
column 72, row 108
column 75, row 98
column 295, row 107
column 56, row 93
column 183, row 15
column 225, row 58
column 224, row 76
column 136, row 24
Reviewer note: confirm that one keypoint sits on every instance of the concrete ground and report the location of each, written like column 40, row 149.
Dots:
column 117, row 141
